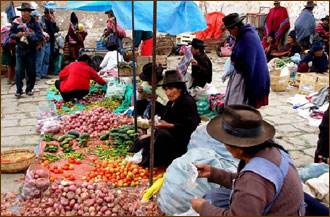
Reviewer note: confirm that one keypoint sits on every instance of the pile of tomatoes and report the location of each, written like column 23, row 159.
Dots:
column 120, row 172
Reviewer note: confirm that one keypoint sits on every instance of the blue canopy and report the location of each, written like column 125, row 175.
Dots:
column 173, row 17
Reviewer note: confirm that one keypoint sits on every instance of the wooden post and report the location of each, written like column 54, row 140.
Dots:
column 152, row 138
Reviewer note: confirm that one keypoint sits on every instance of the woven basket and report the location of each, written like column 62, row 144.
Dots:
column 127, row 72
column 16, row 164
column 278, row 83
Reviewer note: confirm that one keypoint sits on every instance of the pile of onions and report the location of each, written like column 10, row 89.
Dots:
column 84, row 199
column 95, row 121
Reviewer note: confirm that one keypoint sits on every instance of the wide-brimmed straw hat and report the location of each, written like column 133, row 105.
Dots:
column 26, row 7
column 231, row 20
column 240, row 126
column 172, row 76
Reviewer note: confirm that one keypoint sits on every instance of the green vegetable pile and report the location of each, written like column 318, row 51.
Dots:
column 51, row 147
column 107, row 103
column 121, row 135
column 48, row 137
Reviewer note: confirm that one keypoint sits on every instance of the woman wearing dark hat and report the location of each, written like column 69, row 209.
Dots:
column 290, row 48
column 201, row 65
column 76, row 36
column 179, row 120
column 266, row 182
column 323, row 30
column 305, row 26
column 249, row 84
column 144, row 96
column 315, row 61
column 27, row 33
column 112, row 27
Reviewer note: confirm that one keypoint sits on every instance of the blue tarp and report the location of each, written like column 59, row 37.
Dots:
column 173, row 17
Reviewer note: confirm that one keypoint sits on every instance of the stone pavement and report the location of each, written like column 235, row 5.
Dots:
column 18, row 119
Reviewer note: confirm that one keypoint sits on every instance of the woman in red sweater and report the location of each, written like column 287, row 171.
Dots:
column 75, row 79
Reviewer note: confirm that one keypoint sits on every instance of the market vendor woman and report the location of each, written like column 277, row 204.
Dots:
column 266, row 183
column 179, row 120
column 75, row 79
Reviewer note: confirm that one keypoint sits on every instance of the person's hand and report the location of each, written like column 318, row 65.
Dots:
column 163, row 125
column 140, row 89
column 194, row 62
column 20, row 34
column 196, row 203
column 204, row 170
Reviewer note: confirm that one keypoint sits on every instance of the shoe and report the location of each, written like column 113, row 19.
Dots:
column 18, row 95
column 37, row 78
column 30, row 93
column 46, row 77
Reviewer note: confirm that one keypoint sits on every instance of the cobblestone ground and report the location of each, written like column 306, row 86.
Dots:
column 18, row 119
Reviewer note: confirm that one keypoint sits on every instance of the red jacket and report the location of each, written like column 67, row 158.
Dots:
column 77, row 76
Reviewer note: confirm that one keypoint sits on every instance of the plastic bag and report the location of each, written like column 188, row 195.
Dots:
column 190, row 212
column 46, row 112
column 175, row 195
column 136, row 158
column 49, row 125
column 313, row 170
column 228, row 69
column 318, row 188
column 36, row 182
column 193, row 174
column 116, row 91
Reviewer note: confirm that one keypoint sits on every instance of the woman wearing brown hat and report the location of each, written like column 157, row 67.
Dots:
column 266, row 183
column 179, row 120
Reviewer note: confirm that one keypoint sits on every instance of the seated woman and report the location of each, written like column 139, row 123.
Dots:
column 266, row 183
column 315, row 61
column 179, row 120
column 268, row 43
column 144, row 92
column 75, row 79
column 290, row 48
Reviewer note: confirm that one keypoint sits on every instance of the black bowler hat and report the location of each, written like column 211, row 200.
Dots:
column 197, row 43
column 26, row 7
column 146, row 74
column 231, row 20
column 325, row 18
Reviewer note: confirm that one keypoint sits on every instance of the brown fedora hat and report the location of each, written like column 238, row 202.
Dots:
column 231, row 20
column 240, row 126
column 310, row 4
column 25, row 7
column 172, row 76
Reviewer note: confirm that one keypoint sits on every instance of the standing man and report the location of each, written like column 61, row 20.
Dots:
column 277, row 21
column 201, row 65
column 27, row 33
column 48, row 25
column 249, row 84
column 305, row 26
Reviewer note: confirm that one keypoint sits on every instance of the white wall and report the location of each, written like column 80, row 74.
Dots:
column 242, row 7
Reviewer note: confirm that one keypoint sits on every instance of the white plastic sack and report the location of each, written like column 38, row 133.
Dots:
column 199, row 93
column 175, row 195
column 228, row 69
column 201, row 139
column 285, row 72
column 318, row 188
column 190, row 212
column 136, row 158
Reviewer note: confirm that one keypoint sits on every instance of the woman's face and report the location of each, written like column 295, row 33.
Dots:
column 290, row 40
column 172, row 93
column 269, row 39
column 236, row 152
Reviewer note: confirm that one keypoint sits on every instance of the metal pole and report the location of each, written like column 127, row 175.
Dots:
column 151, row 163
column 134, row 72
column 117, row 47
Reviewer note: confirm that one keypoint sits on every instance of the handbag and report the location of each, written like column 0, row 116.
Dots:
column 111, row 42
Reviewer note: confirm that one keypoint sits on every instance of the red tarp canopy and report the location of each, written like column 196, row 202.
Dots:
column 214, row 22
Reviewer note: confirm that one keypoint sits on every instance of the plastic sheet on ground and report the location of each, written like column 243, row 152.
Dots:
column 313, row 170
column 127, row 100
column 175, row 195
column 214, row 22
column 318, row 188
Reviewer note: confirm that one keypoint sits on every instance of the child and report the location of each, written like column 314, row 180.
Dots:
column 59, row 45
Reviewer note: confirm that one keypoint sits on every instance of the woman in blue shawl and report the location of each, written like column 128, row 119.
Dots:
column 249, row 84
